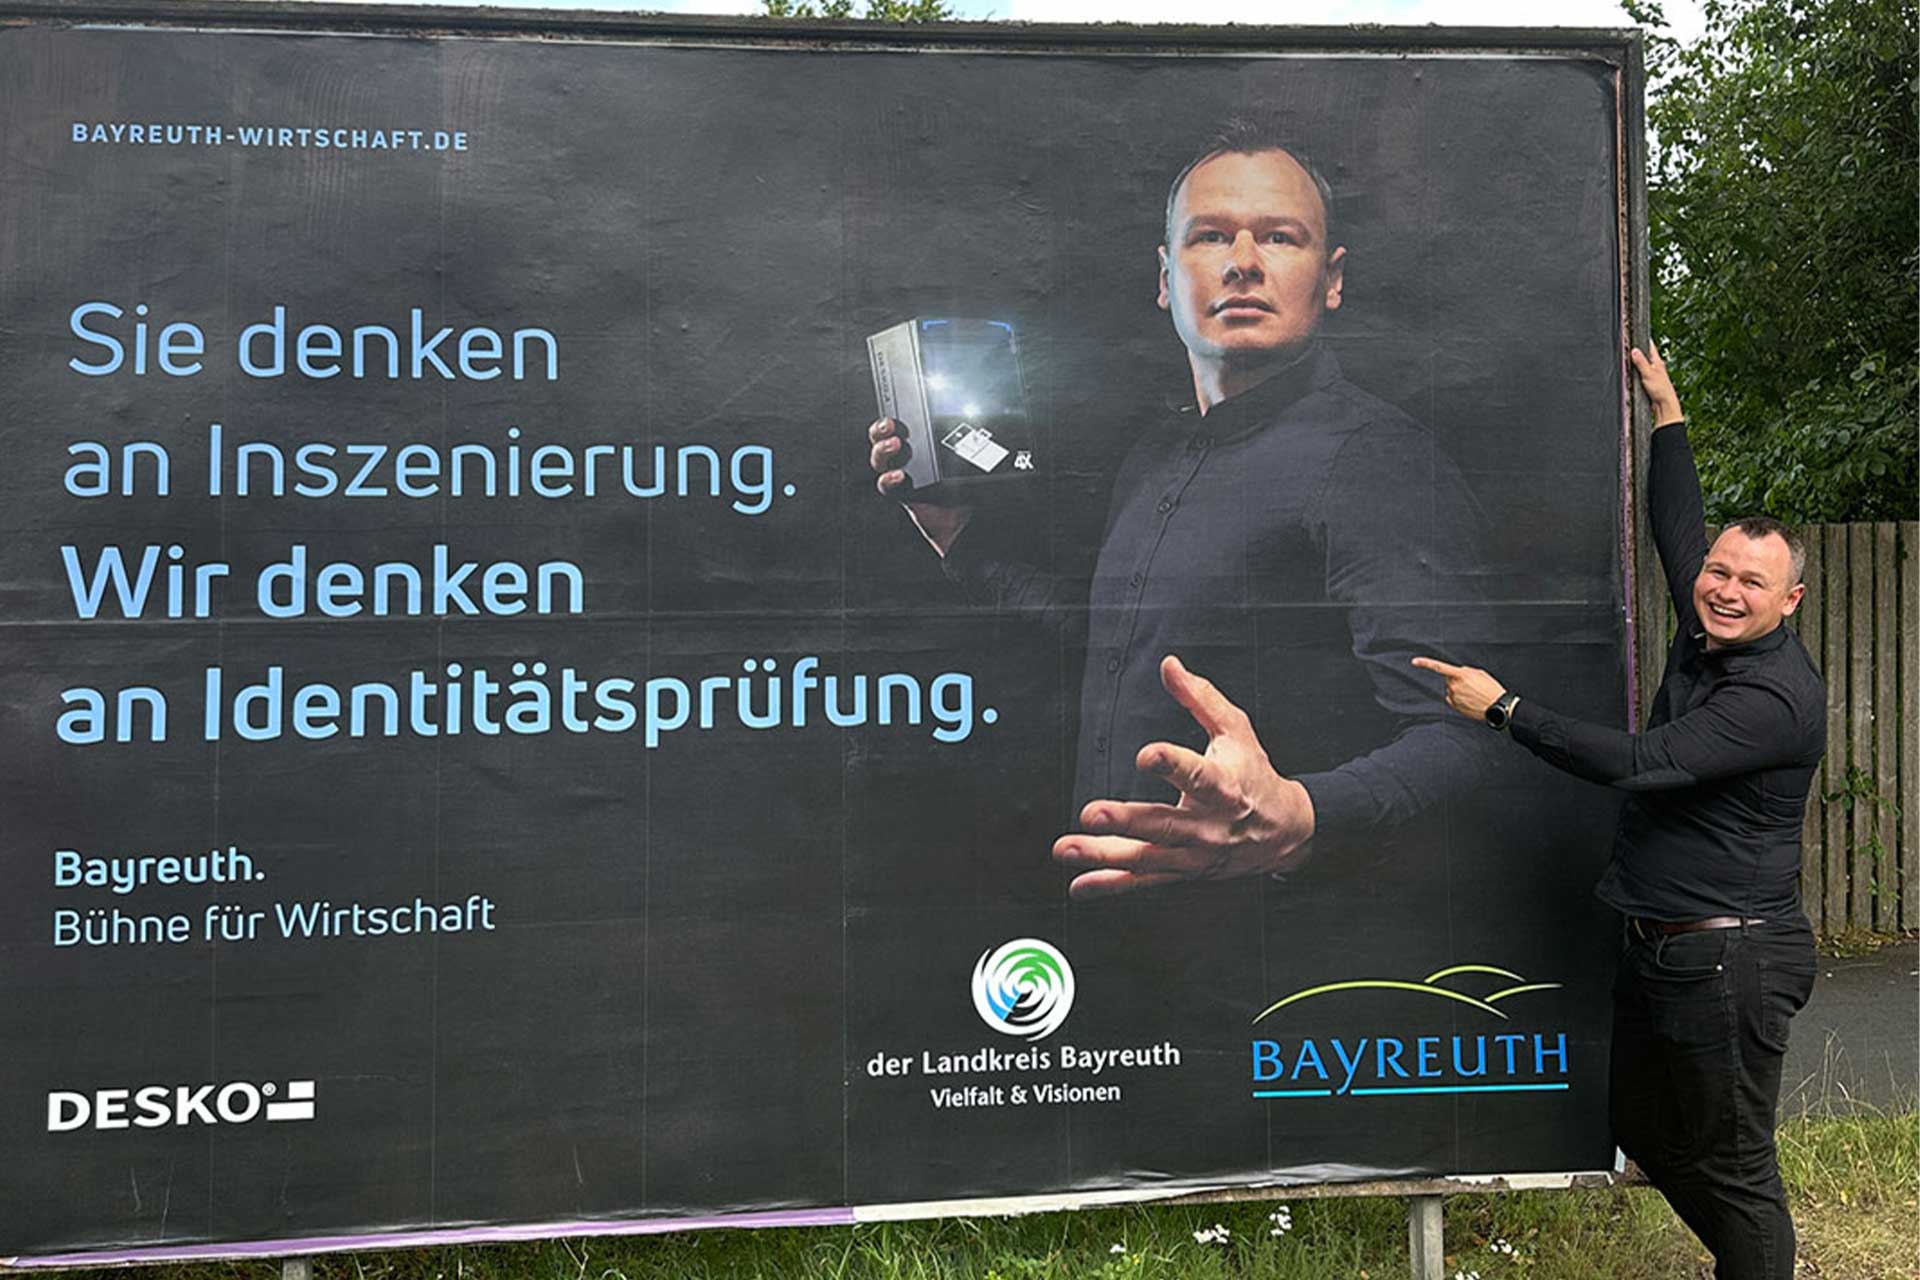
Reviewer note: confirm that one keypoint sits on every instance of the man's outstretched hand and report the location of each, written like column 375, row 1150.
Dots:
column 1236, row 815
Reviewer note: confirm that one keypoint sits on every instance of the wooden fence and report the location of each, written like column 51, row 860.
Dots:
column 1861, row 622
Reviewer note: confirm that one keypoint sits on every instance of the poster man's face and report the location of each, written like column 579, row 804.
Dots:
column 1248, row 273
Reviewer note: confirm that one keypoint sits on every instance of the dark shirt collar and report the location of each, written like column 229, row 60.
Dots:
column 1253, row 409
column 1765, row 644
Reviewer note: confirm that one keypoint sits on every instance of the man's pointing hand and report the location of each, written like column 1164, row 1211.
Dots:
column 1236, row 815
column 1470, row 691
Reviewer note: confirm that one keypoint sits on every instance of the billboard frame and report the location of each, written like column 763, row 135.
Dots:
column 1621, row 48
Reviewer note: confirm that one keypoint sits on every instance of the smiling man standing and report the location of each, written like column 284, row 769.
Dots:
column 1285, row 532
column 1706, row 861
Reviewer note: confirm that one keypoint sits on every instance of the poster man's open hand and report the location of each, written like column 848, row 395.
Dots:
column 1236, row 816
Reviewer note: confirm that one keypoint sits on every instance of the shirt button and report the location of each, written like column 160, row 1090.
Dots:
column 1100, row 744
column 1113, row 665
column 1166, row 505
column 1135, row 581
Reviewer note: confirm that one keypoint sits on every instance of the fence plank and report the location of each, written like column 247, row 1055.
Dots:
column 1860, row 719
column 1886, row 784
column 1834, row 666
column 1908, row 642
column 1807, row 620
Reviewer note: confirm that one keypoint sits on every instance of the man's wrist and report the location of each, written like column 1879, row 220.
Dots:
column 1523, row 726
column 1338, row 802
column 1303, row 823
column 1671, row 438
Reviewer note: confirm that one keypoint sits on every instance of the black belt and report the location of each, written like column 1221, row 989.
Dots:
column 1667, row 928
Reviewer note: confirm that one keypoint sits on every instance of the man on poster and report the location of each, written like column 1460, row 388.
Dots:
column 1706, row 859
column 1289, row 529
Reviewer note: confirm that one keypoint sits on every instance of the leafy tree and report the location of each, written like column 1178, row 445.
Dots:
column 1784, row 222
column 877, row 10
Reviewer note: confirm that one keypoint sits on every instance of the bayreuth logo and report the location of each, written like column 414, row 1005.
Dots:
column 1023, row 988
column 1374, row 1062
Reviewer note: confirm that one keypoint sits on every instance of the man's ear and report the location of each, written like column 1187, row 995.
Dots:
column 1335, row 276
column 1163, row 302
column 1793, row 598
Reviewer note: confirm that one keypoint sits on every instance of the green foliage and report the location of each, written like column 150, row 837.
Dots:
column 874, row 10
column 1783, row 213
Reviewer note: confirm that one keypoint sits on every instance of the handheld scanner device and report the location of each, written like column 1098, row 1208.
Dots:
column 956, row 386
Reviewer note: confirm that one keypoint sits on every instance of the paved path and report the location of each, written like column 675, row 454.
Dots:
column 1858, row 1039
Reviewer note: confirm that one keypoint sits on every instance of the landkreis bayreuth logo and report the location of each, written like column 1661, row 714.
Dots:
column 1023, row 988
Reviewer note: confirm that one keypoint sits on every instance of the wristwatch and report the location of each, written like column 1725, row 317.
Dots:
column 1500, row 711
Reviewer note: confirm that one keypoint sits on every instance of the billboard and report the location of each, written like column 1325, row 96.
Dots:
column 483, row 756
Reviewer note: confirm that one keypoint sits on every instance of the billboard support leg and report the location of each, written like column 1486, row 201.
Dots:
column 295, row 1269
column 1424, row 1242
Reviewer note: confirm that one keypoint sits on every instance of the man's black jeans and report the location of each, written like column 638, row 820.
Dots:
column 1699, row 1031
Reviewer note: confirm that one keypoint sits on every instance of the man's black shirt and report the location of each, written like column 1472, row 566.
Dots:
column 1720, row 775
column 1297, row 545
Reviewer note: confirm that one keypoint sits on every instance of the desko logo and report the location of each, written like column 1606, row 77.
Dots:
column 158, row 1106
column 1023, row 988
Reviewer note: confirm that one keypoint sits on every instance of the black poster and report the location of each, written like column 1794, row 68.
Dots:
column 483, row 757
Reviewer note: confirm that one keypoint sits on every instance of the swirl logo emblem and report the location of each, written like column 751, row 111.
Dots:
column 1023, row 988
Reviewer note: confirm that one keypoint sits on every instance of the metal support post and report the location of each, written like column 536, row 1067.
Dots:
column 301, row 1269
column 1425, row 1242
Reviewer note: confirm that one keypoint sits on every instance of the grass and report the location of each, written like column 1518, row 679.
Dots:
column 1854, row 1178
